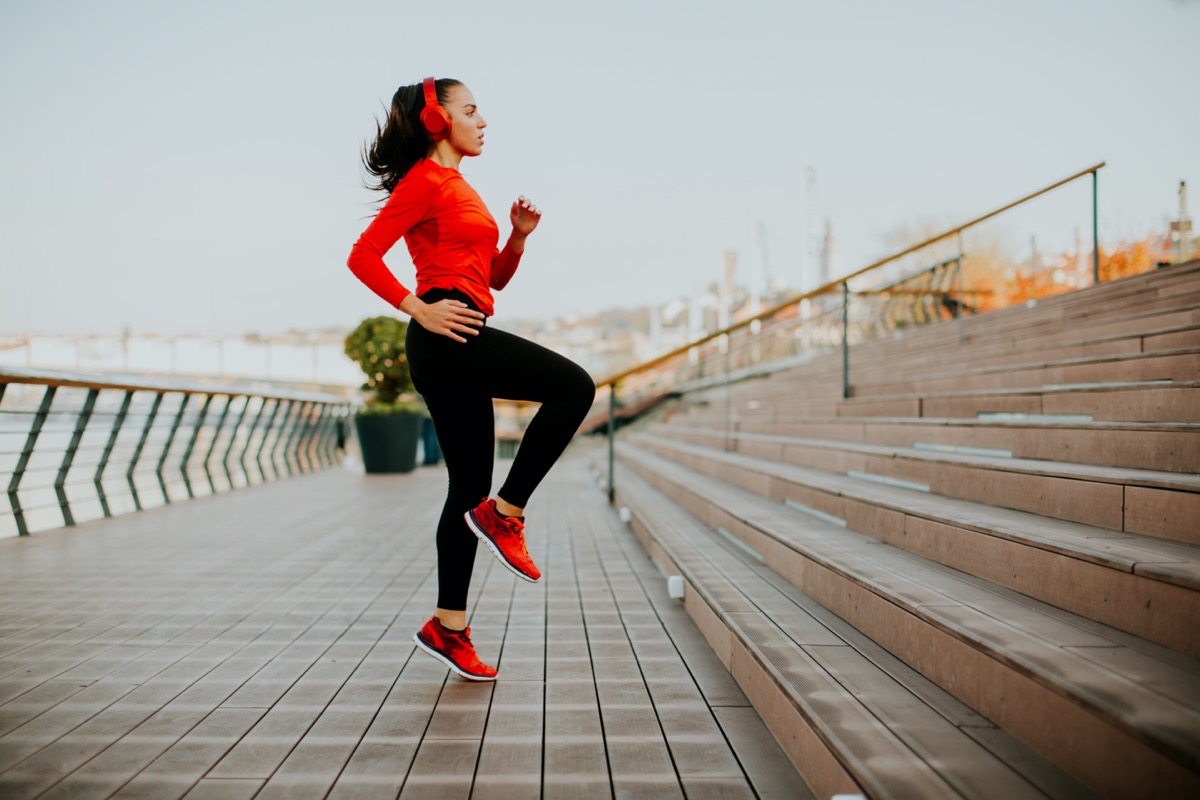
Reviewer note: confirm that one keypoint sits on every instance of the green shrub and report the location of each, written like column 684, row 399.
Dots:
column 377, row 346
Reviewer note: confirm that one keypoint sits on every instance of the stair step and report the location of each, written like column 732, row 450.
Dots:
column 1149, row 502
column 1030, row 672
column 851, row 716
column 1154, row 446
column 1148, row 587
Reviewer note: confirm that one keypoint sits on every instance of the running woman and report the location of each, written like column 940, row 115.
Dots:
column 458, row 363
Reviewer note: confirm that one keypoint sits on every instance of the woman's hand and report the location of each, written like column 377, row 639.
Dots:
column 446, row 317
column 524, row 217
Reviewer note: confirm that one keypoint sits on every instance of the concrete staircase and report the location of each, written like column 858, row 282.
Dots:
column 979, row 576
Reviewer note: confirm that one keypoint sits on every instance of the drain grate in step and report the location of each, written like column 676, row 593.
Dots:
column 962, row 450
column 1033, row 419
column 889, row 481
column 812, row 512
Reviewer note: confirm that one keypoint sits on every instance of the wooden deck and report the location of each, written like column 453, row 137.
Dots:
column 258, row 644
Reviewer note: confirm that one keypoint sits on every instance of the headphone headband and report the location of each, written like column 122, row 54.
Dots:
column 430, row 92
column 433, row 116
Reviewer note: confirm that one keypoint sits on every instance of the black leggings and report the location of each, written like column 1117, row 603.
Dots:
column 458, row 382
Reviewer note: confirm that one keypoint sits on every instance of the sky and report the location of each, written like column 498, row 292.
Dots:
column 193, row 167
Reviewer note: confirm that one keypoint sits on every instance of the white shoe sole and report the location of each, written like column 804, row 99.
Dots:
column 483, row 537
column 453, row 667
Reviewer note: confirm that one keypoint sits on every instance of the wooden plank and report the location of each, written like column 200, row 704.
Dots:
column 766, row 765
column 271, row 633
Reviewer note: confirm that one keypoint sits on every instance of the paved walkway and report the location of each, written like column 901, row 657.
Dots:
column 258, row 644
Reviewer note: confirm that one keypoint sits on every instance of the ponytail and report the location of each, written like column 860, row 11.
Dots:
column 401, row 140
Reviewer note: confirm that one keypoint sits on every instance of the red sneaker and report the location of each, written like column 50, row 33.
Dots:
column 505, row 537
column 454, row 649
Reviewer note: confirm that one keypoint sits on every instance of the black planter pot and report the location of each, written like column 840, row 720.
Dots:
column 388, row 441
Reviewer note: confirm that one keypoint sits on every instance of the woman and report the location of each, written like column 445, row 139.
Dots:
column 458, row 363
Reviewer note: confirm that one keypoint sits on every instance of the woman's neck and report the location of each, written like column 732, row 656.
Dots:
column 444, row 155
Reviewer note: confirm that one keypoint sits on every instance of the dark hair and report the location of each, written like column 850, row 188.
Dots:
column 401, row 141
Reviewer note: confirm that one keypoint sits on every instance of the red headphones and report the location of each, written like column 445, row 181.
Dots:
column 434, row 117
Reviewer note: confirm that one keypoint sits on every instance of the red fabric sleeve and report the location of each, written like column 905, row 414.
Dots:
column 408, row 205
column 504, row 264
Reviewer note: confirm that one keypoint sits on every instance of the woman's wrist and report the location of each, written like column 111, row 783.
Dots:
column 516, row 242
column 413, row 306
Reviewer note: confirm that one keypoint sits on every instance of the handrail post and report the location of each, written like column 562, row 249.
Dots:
column 162, row 459
column 98, row 479
column 187, row 454
column 1095, row 226
column 845, row 340
column 962, row 309
column 60, row 481
column 612, row 430
column 237, row 426
column 262, row 445
column 728, row 395
column 137, row 451
column 35, row 430
column 212, row 446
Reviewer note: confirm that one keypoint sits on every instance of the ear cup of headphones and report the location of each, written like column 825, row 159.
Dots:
column 434, row 118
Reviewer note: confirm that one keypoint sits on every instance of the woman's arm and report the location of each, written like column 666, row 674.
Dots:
column 525, row 217
column 409, row 204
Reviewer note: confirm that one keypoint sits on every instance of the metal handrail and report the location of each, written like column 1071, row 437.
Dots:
column 842, row 286
column 301, row 442
column 835, row 285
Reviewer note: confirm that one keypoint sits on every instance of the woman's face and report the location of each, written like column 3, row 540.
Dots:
column 466, row 123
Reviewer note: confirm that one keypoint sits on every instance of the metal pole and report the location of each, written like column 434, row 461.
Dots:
column 187, row 454
column 137, row 451
column 845, row 340
column 262, row 445
column 162, row 459
column 612, row 429
column 35, row 430
column 98, row 479
column 284, row 429
column 60, row 482
column 1095, row 226
column 728, row 398
column 962, row 309
column 212, row 446
column 237, row 426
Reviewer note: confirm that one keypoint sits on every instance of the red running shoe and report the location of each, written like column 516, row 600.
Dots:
column 505, row 537
column 454, row 649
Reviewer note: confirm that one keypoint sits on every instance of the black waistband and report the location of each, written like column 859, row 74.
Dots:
column 438, row 294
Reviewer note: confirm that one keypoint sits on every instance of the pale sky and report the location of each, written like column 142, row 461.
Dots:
column 192, row 167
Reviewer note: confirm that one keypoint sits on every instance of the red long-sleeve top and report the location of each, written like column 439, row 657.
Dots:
column 451, row 238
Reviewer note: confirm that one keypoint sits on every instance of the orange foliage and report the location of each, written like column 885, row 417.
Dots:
column 1001, row 284
column 1132, row 258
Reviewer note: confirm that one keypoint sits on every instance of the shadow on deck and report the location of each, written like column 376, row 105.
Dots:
column 258, row 644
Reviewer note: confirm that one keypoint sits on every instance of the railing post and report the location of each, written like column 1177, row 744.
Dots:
column 612, row 430
column 35, row 430
column 212, row 446
column 262, row 446
column 1095, row 226
column 306, row 433
column 320, row 446
column 279, row 440
column 60, row 481
column 728, row 395
column 312, row 444
column 962, row 308
column 237, row 426
column 845, row 340
column 162, row 459
column 187, row 454
column 297, row 426
column 137, row 451
column 108, row 448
